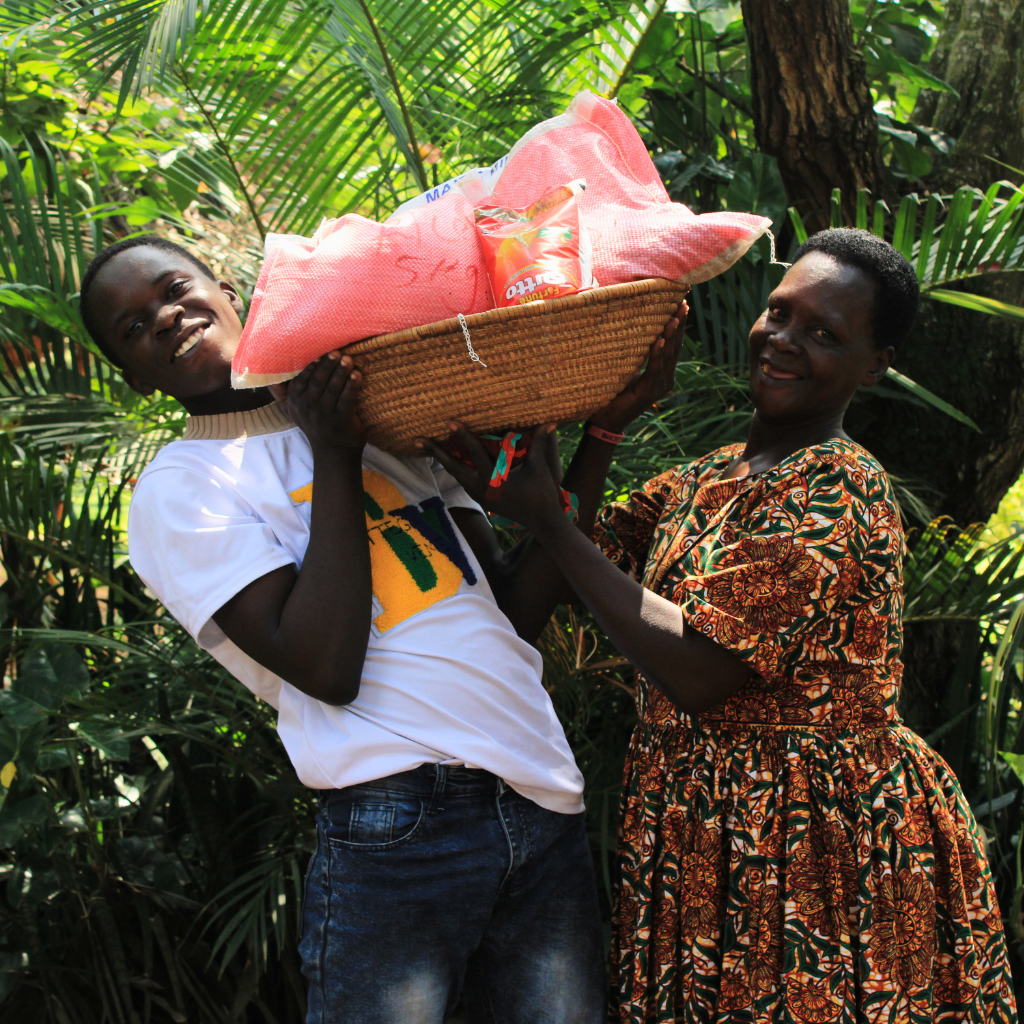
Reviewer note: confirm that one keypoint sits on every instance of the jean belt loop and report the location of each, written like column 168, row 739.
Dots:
column 440, row 777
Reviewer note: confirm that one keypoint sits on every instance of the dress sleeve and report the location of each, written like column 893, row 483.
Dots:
column 196, row 543
column 795, row 557
column 624, row 529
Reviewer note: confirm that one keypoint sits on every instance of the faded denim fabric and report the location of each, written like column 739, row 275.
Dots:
column 441, row 882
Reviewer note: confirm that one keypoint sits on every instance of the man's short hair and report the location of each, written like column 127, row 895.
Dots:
column 105, row 256
column 898, row 293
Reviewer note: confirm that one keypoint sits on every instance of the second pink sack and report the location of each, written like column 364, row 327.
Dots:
column 357, row 278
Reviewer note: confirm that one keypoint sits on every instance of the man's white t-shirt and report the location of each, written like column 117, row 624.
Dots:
column 445, row 679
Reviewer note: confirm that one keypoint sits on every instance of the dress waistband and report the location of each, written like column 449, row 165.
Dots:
column 810, row 728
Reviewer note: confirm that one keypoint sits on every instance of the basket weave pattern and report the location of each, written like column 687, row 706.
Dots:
column 553, row 360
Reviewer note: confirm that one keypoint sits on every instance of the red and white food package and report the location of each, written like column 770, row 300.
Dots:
column 540, row 252
column 356, row 278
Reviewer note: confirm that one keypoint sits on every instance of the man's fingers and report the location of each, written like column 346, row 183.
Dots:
column 322, row 373
column 350, row 392
column 279, row 392
column 465, row 476
column 339, row 378
column 471, row 445
column 654, row 360
column 298, row 384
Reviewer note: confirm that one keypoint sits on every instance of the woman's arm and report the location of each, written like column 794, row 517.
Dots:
column 527, row 582
column 692, row 670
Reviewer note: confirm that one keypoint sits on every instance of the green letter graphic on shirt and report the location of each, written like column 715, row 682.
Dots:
column 410, row 572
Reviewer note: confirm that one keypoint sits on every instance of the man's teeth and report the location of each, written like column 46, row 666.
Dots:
column 190, row 342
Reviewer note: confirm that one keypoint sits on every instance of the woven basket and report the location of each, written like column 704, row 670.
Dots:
column 552, row 360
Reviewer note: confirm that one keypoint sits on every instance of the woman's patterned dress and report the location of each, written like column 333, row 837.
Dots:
column 795, row 853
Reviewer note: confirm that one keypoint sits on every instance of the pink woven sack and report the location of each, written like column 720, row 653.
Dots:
column 356, row 278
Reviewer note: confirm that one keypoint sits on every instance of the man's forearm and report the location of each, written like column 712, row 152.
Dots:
column 533, row 584
column 325, row 623
column 312, row 627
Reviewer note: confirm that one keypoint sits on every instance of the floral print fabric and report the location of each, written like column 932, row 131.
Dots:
column 794, row 853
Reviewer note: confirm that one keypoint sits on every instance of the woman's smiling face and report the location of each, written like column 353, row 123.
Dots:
column 814, row 345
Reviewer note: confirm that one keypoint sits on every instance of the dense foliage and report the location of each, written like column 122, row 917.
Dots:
column 152, row 833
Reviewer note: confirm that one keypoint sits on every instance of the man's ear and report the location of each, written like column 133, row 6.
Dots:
column 137, row 385
column 233, row 297
column 880, row 366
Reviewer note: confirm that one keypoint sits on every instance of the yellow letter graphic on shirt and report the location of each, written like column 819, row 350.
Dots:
column 410, row 572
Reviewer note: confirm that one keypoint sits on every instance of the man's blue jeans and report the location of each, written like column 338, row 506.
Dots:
column 441, row 882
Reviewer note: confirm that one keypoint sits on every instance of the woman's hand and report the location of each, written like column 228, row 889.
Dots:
column 322, row 401
column 531, row 490
column 653, row 384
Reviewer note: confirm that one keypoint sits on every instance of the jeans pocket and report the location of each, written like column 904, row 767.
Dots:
column 372, row 820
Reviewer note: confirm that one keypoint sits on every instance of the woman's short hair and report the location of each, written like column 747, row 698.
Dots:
column 898, row 293
column 105, row 256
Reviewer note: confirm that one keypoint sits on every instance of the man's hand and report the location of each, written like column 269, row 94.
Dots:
column 653, row 384
column 531, row 490
column 322, row 401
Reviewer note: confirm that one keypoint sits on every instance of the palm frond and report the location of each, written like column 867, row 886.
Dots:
column 334, row 105
column 950, row 574
column 969, row 234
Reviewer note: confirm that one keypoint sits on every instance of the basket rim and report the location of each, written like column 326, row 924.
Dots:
column 527, row 311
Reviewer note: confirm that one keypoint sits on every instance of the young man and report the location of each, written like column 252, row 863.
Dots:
column 365, row 597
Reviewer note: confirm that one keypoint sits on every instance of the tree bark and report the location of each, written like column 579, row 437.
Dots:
column 980, row 52
column 974, row 361
column 813, row 110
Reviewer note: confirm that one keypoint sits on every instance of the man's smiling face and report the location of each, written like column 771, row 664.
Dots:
column 173, row 328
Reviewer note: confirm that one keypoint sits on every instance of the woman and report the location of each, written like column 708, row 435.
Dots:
column 789, row 850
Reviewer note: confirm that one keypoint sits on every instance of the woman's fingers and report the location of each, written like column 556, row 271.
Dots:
column 551, row 453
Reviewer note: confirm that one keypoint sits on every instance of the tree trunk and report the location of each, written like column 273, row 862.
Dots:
column 813, row 110
column 974, row 361
column 980, row 52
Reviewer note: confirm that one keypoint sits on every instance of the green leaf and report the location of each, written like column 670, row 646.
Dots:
column 1015, row 762
column 49, row 674
column 106, row 738
column 932, row 399
column 798, row 225
column 17, row 819
column 43, row 304
column 756, row 187
column 981, row 303
column 916, row 74
column 20, row 711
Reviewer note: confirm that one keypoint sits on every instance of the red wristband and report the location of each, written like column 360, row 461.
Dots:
column 604, row 435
